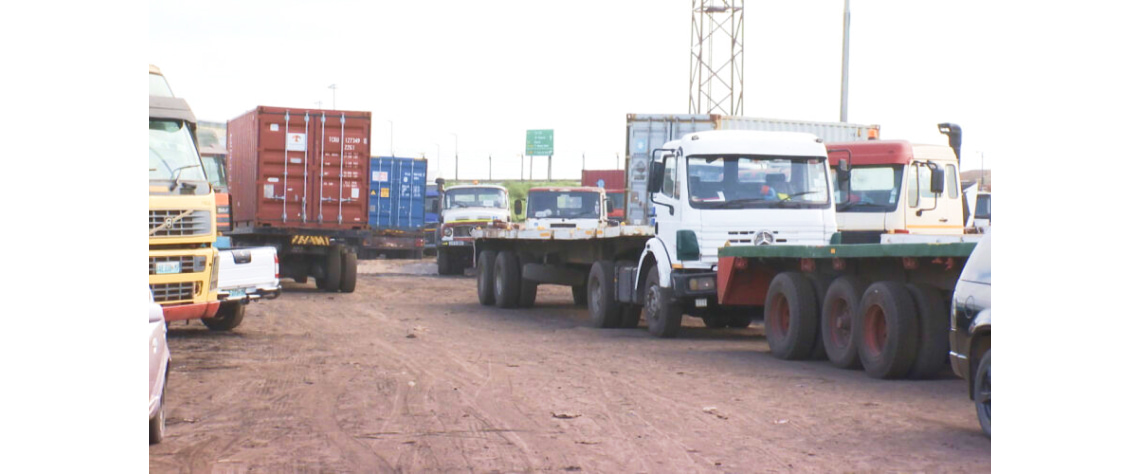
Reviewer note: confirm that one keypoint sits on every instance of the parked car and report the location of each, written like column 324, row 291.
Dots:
column 159, row 370
column 970, row 329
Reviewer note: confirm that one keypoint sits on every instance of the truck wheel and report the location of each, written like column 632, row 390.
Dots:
column 933, row 332
column 332, row 270
column 605, row 312
column 485, row 277
column 443, row 264
column 528, row 289
column 506, row 280
column 630, row 316
column 982, row 393
column 579, row 292
column 885, row 330
column 662, row 316
column 348, row 273
column 229, row 316
column 791, row 317
column 837, row 321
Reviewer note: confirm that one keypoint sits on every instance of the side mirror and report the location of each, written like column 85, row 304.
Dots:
column 656, row 176
column 937, row 180
column 843, row 171
column 518, row 206
column 609, row 207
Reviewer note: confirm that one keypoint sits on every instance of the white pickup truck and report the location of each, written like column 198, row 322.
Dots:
column 244, row 275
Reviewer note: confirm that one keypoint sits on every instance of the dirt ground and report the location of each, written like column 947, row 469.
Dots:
column 411, row 374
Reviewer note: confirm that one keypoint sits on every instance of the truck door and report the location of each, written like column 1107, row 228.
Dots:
column 941, row 216
column 668, row 221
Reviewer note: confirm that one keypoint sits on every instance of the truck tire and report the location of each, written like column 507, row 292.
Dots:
column 605, row 311
column 348, row 273
column 485, row 277
column 579, row 292
column 819, row 284
column 982, row 393
column 662, row 316
column 630, row 316
column 791, row 317
column 229, row 317
column 837, row 320
column 886, row 330
column 933, row 332
column 507, row 280
column 443, row 263
column 332, row 270
column 528, row 289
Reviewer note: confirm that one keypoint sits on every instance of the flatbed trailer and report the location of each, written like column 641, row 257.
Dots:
column 882, row 307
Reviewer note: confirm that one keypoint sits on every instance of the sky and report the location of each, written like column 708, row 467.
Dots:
column 462, row 77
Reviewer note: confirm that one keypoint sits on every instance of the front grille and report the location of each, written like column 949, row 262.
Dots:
column 741, row 237
column 194, row 223
column 462, row 231
column 189, row 263
column 167, row 292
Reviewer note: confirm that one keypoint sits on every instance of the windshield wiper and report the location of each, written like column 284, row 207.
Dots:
column 849, row 204
column 178, row 175
column 797, row 195
column 724, row 204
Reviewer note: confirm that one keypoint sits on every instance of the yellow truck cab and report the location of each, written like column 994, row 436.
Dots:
column 183, row 259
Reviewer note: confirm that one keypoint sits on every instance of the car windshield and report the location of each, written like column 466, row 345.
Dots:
column 172, row 152
column 476, row 197
column 872, row 189
column 563, row 204
column 741, row 182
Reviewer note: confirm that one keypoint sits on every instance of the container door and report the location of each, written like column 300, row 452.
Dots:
column 338, row 194
column 283, row 148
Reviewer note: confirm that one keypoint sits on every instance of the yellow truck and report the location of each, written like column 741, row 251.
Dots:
column 183, row 228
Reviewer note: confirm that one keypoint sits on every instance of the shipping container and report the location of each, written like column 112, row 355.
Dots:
column 613, row 181
column 646, row 132
column 398, row 188
column 299, row 168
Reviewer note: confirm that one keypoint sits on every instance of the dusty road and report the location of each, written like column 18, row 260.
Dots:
column 411, row 374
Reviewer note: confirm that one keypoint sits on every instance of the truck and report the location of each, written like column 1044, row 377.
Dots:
column 245, row 275
column 396, row 207
column 299, row 183
column 710, row 188
column 431, row 220
column 212, row 142
column 646, row 132
column 613, row 181
column 183, row 259
column 466, row 207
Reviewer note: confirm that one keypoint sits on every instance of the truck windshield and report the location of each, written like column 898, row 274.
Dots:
column 172, row 152
column 983, row 210
column 748, row 182
column 564, row 204
column 872, row 189
column 476, row 197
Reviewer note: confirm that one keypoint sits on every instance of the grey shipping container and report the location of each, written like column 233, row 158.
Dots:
column 646, row 132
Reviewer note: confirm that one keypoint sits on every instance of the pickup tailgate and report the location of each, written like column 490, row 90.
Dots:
column 248, row 268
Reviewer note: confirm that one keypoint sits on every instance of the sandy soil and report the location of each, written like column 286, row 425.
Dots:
column 411, row 374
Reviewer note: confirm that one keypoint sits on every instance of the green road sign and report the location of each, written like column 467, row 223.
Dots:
column 540, row 142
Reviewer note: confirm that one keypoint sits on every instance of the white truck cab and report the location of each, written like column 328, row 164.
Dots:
column 464, row 208
column 724, row 188
column 565, row 208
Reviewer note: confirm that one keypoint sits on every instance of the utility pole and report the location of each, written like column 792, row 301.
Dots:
column 617, row 160
column 333, row 87
column 549, row 165
column 583, row 161
column 846, row 36
column 522, row 166
column 532, row 167
column 489, row 167
column 456, row 155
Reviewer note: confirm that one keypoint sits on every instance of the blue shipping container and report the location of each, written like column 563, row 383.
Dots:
column 396, row 196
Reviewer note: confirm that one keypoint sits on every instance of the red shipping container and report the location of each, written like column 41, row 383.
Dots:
column 299, row 168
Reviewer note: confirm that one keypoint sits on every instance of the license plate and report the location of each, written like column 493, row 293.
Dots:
column 163, row 268
column 237, row 292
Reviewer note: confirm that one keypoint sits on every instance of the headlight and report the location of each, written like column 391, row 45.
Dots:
column 702, row 283
column 447, row 231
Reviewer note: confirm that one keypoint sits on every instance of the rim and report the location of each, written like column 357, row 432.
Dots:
column 783, row 316
column 875, row 330
column 651, row 304
column 839, row 321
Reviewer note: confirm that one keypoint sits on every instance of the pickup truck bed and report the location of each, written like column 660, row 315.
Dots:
column 247, row 274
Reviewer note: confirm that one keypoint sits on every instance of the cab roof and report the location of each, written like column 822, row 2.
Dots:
column 469, row 186
column 885, row 152
column 569, row 189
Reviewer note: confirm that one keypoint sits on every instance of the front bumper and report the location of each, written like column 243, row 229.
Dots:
column 184, row 312
column 245, row 295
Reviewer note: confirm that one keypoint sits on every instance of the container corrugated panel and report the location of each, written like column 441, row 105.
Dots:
column 299, row 168
column 398, row 187
column 646, row 132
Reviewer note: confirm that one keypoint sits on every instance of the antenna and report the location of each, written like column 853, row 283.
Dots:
column 717, row 31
